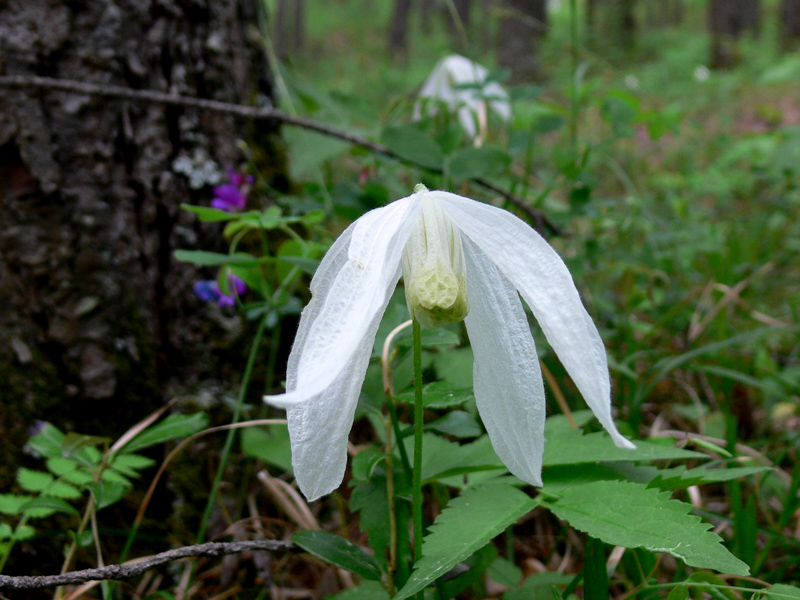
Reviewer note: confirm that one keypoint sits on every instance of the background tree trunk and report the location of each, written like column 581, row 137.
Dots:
column 523, row 24
column 790, row 25
column 727, row 21
column 398, row 29
column 612, row 23
column 457, row 29
column 100, row 321
column 289, row 28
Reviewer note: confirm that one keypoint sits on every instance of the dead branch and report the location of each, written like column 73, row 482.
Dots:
column 540, row 221
column 139, row 566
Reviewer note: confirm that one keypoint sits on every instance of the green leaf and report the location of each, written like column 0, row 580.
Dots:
column 5, row 531
column 111, row 476
column 60, row 466
column 107, row 493
column 12, row 504
column 680, row 592
column 33, row 481
column 441, row 458
column 62, row 489
column 438, row 395
column 47, row 443
column 504, row 572
column 204, row 258
column 75, row 442
column 211, row 215
column 364, row 463
column 338, row 551
column 466, row 524
column 174, row 426
column 131, row 464
column 570, row 446
column 366, row 590
column 270, row 444
column 539, row 587
column 632, row 515
column 458, row 423
column 410, row 143
column 24, row 532
column 44, row 506
column 477, row 163
column 781, row 591
column 595, row 576
column 680, row 478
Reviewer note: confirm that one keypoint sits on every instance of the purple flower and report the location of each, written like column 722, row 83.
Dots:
column 208, row 290
column 232, row 197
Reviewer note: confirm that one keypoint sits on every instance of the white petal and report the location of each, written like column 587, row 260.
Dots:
column 348, row 293
column 319, row 427
column 507, row 379
column 545, row 283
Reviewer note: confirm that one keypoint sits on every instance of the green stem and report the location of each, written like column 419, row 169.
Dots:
column 251, row 359
column 416, row 485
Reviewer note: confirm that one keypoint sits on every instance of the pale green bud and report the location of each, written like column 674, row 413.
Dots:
column 434, row 270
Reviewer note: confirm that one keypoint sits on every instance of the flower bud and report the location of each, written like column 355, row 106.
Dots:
column 434, row 270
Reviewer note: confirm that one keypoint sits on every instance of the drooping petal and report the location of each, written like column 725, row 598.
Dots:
column 544, row 281
column 319, row 427
column 507, row 379
column 348, row 293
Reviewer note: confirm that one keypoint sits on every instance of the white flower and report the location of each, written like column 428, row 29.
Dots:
column 461, row 84
column 457, row 256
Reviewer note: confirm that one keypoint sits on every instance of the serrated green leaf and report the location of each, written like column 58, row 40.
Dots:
column 781, row 591
column 79, row 477
column 679, row 478
column 488, row 509
column 566, row 447
column 111, row 476
column 60, row 465
column 366, row 590
column 5, row 531
column 457, row 423
column 47, row 443
column 439, row 395
column 33, row 481
column 560, row 477
column 44, row 506
column 504, row 572
column 441, row 458
column 539, row 587
column 338, row 551
column 62, row 489
column 412, row 144
column 131, row 464
column 632, row 515
column 174, row 426
column 107, row 493
column 12, row 504
column 270, row 444
column 364, row 463
column 24, row 532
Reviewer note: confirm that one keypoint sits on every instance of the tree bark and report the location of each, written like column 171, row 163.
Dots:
column 790, row 25
column 524, row 23
column 612, row 23
column 728, row 20
column 100, row 321
column 398, row 29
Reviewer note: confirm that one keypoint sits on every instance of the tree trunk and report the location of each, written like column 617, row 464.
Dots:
column 398, row 29
column 523, row 24
column 100, row 321
column 612, row 23
column 727, row 21
column 790, row 25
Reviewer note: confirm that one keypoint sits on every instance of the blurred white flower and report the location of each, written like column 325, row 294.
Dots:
column 701, row 73
column 461, row 84
column 460, row 259
column 631, row 82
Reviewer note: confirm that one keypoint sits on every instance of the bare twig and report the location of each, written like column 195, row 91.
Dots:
column 540, row 221
column 134, row 568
